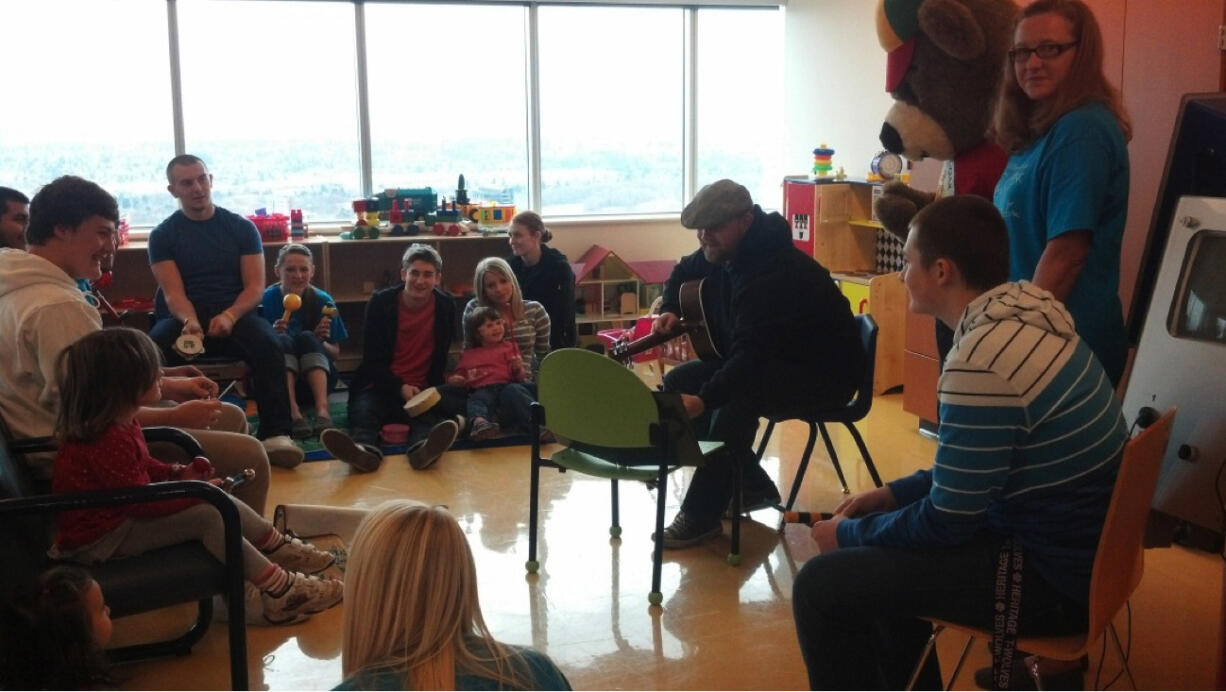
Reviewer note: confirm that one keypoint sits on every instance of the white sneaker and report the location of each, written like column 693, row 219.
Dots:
column 304, row 596
column 253, row 608
column 298, row 556
column 283, row 452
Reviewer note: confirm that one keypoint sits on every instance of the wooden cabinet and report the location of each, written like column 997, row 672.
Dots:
column 350, row 270
column 884, row 297
column 921, row 366
column 820, row 213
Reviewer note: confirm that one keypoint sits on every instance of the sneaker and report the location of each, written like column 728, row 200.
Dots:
column 321, row 424
column 685, row 532
column 298, row 556
column 300, row 429
column 753, row 499
column 283, row 452
column 364, row 458
column 440, row 439
column 483, row 429
column 253, row 609
column 304, row 596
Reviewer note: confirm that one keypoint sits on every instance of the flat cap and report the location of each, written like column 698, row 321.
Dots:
column 716, row 203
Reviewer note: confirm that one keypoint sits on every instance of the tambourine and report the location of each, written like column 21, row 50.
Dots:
column 189, row 346
column 421, row 402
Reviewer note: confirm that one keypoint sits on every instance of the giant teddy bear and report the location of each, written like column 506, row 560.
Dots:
column 945, row 62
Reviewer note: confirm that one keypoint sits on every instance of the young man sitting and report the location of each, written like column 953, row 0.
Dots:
column 1030, row 440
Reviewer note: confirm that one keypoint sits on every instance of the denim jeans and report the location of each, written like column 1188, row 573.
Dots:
column 857, row 610
column 509, row 404
column 370, row 410
column 253, row 341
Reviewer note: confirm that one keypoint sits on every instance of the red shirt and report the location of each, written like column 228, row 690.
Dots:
column 414, row 343
column 118, row 459
column 485, row 365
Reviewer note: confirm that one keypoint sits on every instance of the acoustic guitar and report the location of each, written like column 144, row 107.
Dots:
column 693, row 324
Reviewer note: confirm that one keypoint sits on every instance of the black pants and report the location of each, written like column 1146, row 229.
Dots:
column 370, row 410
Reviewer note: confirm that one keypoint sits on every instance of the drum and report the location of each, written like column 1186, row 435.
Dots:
column 189, row 346
column 423, row 401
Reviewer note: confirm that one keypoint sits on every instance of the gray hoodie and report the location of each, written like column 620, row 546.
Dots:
column 41, row 312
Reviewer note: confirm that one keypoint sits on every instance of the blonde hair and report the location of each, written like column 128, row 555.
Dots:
column 499, row 266
column 1017, row 121
column 411, row 603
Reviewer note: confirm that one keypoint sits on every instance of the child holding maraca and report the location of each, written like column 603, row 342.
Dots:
column 309, row 330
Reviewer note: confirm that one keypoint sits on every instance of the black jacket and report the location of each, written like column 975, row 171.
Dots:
column 785, row 331
column 550, row 282
column 379, row 341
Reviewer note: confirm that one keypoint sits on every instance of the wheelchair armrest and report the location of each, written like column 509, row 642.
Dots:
column 175, row 436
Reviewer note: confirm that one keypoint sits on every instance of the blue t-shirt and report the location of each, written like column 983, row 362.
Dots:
column 1074, row 177
column 208, row 255
column 540, row 674
column 306, row 317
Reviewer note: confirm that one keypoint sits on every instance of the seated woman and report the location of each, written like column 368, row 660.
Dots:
column 310, row 337
column 545, row 275
column 412, row 617
column 497, row 287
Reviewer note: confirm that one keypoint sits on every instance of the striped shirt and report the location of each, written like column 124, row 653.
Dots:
column 1030, row 440
column 531, row 332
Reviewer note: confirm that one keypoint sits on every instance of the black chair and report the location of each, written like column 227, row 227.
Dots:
column 137, row 584
column 849, row 414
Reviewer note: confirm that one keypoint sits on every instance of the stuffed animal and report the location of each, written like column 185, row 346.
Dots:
column 946, row 59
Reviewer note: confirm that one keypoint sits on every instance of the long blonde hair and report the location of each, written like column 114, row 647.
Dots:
column 1017, row 121
column 411, row 603
column 499, row 266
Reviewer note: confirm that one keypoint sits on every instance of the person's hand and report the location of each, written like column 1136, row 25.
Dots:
column 408, row 391
column 323, row 330
column 188, row 388
column 280, row 326
column 182, row 371
column 875, row 500
column 454, row 378
column 665, row 324
column 694, row 406
column 193, row 327
column 201, row 469
column 220, row 326
column 199, row 414
column 825, row 534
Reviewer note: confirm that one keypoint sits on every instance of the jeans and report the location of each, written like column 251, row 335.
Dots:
column 370, row 410
column 510, row 404
column 857, row 610
column 736, row 425
column 253, row 341
column 304, row 352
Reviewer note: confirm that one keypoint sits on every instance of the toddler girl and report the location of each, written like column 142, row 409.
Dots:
column 309, row 338
column 104, row 379
column 492, row 369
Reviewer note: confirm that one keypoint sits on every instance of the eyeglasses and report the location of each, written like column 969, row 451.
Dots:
column 1045, row 51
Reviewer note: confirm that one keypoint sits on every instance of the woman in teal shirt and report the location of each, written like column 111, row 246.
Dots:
column 412, row 618
column 1064, row 192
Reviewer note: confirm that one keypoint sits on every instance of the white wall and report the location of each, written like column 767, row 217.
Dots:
column 834, row 92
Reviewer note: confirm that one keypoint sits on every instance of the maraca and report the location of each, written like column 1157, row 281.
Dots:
column 291, row 302
column 329, row 311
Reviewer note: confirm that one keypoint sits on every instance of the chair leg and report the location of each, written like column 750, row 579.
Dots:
column 966, row 649
column 615, row 529
column 534, row 489
column 834, row 457
column 734, row 556
column 919, row 665
column 655, row 597
column 868, row 459
column 766, row 437
column 179, row 646
column 1119, row 650
column 800, row 475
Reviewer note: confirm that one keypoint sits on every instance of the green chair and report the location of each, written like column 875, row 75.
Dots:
column 613, row 426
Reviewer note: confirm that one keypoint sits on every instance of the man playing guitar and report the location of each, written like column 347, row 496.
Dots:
column 786, row 339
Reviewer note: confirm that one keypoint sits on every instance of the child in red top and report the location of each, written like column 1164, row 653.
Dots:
column 104, row 379
column 492, row 369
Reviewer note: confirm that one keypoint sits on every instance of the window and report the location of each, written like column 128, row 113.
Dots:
column 447, row 97
column 270, row 103
column 611, row 109
column 88, row 94
column 740, row 114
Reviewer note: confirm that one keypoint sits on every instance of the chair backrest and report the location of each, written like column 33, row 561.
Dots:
column 860, row 406
column 595, row 399
column 1120, row 560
